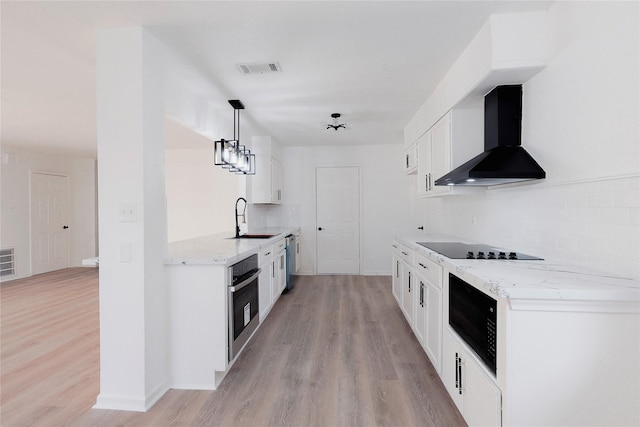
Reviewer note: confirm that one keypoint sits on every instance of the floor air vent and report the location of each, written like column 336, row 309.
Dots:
column 259, row 68
column 7, row 262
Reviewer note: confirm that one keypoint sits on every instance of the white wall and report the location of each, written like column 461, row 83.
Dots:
column 384, row 199
column 16, row 168
column 580, row 122
column 200, row 195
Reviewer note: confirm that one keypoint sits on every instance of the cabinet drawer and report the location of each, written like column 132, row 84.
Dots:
column 265, row 255
column 403, row 252
column 428, row 269
column 279, row 245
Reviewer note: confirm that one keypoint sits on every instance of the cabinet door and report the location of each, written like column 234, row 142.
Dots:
column 433, row 326
column 407, row 293
column 282, row 265
column 440, row 152
column 478, row 399
column 264, row 290
column 298, row 256
column 275, row 280
column 396, row 279
column 420, row 321
column 410, row 159
column 423, row 145
column 482, row 403
column 261, row 181
column 451, row 370
column 276, row 181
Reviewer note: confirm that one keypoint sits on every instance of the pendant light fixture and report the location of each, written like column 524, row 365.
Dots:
column 336, row 125
column 229, row 153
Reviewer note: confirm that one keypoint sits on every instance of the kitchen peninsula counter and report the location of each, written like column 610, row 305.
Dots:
column 197, row 293
column 221, row 248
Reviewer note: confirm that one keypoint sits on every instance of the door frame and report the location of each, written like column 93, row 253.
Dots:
column 360, row 209
column 33, row 172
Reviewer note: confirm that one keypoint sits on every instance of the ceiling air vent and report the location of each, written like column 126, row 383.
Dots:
column 259, row 68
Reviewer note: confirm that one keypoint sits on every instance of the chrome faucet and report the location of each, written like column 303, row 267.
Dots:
column 243, row 214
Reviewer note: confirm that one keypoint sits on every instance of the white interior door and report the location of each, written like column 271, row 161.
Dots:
column 338, row 220
column 49, row 222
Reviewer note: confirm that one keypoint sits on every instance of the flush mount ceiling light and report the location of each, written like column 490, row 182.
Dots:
column 229, row 153
column 335, row 125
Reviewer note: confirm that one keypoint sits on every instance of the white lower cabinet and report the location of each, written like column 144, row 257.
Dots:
column 278, row 274
column 265, row 260
column 477, row 397
column 408, row 292
column 428, row 307
column 298, row 253
column 420, row 319
column 401, row 282
column 396, row 278
column 433, row 329
column 416, row 283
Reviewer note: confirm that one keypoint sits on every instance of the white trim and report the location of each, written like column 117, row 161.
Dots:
column 130, row 402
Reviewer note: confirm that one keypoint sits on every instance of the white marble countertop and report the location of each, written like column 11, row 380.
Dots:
column 221, row 249
column 539, row 280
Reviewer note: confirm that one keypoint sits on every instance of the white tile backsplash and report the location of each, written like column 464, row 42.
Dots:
column 593, row 224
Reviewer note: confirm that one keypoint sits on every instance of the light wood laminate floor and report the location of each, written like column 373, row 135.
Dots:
column 335, row 351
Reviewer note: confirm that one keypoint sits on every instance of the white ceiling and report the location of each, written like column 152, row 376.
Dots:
column 375, row 62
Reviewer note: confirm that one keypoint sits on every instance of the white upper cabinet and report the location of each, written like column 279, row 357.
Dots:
column 456, row 138
column 410, row 159
column 423, row 145
column 266, row 185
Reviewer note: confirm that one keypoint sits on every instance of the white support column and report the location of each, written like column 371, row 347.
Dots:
column 134, row 371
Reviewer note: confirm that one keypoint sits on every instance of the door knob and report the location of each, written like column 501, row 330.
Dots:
column 320, row 228
column 65, row 227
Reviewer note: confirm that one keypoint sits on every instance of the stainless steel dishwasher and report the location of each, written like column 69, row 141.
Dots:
column 291, row 260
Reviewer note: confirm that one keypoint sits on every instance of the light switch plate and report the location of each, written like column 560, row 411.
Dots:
column 127, row 212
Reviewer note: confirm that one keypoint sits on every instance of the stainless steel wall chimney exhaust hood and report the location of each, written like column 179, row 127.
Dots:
column 504, row 161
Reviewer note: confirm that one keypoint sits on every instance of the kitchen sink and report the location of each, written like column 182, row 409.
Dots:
column 255, row 236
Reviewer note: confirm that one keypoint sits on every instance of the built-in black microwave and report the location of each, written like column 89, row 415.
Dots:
column 472, row 314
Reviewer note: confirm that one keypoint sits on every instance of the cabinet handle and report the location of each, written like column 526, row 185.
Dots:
column 409, row 281
column 426, row 182
column 421, row 294
column 457, row 379
column 397, row 269
column 429, row 181
column 404, row 253
column 422, row 265
column 273, row 270
column 267, row 254
column 407, row 161
column 459, row 374
column 395, row 246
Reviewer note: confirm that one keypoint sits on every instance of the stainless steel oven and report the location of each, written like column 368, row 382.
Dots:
column 243, row 303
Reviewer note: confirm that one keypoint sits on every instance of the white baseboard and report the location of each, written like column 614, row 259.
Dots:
column 130, row 402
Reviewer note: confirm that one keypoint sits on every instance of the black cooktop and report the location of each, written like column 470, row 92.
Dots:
column 457, row 250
